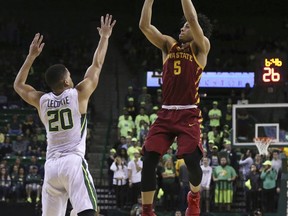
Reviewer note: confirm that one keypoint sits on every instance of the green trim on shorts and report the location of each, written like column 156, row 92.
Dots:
column 90, row 188
column 83, row 123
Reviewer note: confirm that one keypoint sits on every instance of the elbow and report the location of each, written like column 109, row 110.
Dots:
column 16, row 87
column 143, row 26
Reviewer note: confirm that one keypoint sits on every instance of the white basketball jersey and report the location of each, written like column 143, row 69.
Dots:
column 65, row 127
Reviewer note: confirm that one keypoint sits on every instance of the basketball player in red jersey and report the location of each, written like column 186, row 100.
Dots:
column 183, row 63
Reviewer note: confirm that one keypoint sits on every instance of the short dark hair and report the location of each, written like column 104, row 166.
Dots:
column 204, row 22
column 54, row 74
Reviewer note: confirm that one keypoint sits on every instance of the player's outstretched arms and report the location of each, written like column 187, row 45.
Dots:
column 25, row 91
column 150, row 31
column 91, row 78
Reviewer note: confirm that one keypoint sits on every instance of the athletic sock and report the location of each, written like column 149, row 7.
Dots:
column 147, row 208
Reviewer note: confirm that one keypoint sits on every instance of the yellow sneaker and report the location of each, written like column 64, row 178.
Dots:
column 29, row 200
column 37, row 199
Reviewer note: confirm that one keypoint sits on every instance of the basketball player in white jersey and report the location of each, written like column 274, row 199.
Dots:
column 63, row 112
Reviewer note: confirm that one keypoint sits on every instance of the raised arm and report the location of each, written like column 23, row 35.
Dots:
column 25, row 91
column 202, row 43
column 88, row 85
column 151, row 32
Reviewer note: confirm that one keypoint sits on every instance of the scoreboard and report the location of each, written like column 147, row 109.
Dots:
column 271, row 69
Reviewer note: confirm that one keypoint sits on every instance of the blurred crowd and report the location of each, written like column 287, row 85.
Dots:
column 234, row 179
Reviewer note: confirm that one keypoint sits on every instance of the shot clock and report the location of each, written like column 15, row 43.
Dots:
column 272, row 69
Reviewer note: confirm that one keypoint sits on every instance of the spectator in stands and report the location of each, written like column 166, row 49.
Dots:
column 19, row 146
column 205, row 184
column 136, row 209
column 130, row 94
column 128, row 143
column 34, row 162
column 18, row 184
column 231, row 155
column 29, row 124
column 227, row 115
column 169, row 155
column 154, row 115
column 120, row 141
column 158, row 102
column 14, row 172
column 134, row 175
column 5, row 183
column 242, row 99
column 124, row 126
column 132, row 108
column 245, row 164
column 168, row 185
column 232, row 97
column 225, row 133
column 33, row 147
column 253, row 189
column 257, row 213
column 135, row 147
column 141, row 116
column 204, row 140
column 2, row 136
column 143, row 95
column 40, row 135
column 215, row 157
column 205, row 156
column 122, row 153
column 183, row 178
column 247, row 91
column 210, row 149
column 119, row 180
column 3, row 97
column 179, row 162
column 33, row 184
column 215, row 115
column 125, row 113
column 269, row 178
column 205, row 116
column 18, row 163
column 178, row 213
column 15, row 126
column 6, row 147
column 224, row 175
column 14, row 178
column 214, row 134
column 109, row 161
column 144, row 129
column 276, row 161
column 148, row 105
column 258, row 162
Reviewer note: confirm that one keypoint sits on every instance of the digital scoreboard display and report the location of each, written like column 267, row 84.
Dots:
column 272, row 69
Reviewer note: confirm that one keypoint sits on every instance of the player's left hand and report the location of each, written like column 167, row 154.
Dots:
column 36, row 45
column 106, row 26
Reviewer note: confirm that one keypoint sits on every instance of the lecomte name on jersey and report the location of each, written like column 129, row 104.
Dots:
column 58, row 103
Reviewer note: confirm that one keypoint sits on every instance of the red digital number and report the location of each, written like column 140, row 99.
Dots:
column 270, row 75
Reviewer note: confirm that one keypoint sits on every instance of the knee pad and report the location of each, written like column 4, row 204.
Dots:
column 89, row 212
column 192, row 162
column 150, row 161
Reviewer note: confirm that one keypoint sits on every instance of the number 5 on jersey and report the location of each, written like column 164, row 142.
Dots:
column 177, row 67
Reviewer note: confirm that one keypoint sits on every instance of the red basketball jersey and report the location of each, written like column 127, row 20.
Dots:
column 181, row 77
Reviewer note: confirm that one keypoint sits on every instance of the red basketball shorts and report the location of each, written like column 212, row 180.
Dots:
column 183, row 124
